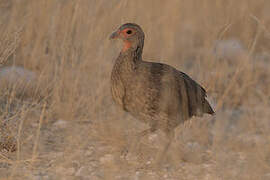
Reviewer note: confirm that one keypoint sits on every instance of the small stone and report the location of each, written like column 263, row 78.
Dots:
column 152, row 136
column 108, row 158
column 60, row 124
column 137, row 175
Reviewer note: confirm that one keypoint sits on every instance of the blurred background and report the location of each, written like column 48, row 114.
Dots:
column 58, row 120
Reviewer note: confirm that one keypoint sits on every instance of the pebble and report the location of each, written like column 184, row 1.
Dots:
column 60, row 124
column 108, row 158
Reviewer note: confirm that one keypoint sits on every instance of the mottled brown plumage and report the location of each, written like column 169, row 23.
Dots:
column 154, row 93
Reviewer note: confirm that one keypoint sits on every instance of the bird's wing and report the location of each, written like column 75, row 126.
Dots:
column 193, row 96
column 173, row 88
column 191, row 83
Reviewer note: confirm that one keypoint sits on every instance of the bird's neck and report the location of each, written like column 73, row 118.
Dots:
column 133, row 49
column 130, row 58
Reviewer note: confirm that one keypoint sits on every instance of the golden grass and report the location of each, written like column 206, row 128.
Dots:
column 66, row 125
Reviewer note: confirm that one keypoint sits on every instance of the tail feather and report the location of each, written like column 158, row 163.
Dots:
column 207, row 108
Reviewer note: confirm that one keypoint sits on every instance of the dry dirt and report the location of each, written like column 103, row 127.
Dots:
column 57, row 118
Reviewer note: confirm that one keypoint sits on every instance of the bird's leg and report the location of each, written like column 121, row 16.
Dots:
column 134, row 145
column 162, row 154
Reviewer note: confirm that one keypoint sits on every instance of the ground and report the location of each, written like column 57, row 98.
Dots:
column 57, row 117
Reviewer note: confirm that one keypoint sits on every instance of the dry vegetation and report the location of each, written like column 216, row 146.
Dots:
column 58, row 120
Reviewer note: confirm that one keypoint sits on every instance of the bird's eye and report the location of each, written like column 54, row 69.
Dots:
column 129, row 32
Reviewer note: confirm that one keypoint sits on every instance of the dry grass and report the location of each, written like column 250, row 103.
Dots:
column 63, row 125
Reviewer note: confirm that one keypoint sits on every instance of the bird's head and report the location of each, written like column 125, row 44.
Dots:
column 131, row 34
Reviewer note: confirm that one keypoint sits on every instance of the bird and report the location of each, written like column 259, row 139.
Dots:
column 154, row 93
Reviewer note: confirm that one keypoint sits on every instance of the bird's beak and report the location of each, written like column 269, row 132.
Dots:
column 114, row 35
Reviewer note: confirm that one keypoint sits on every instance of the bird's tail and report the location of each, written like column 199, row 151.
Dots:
column 207, row 108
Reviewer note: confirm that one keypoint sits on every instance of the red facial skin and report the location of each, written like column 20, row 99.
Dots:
column 127, row 45
column 124, row 34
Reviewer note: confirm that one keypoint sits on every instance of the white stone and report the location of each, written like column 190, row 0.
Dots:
column 108, row 158
column 60, row 123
